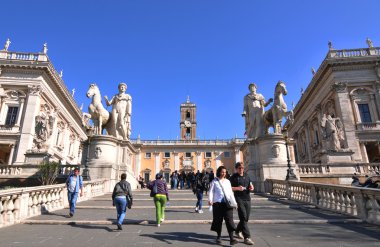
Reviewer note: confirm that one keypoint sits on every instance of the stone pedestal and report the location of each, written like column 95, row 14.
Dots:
column 265, row 158
column 108, row 157
column 340, row 156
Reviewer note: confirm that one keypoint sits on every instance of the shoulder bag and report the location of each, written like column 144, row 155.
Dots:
column 228, row 202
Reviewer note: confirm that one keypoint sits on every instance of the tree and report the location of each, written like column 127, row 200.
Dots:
column 48, row 172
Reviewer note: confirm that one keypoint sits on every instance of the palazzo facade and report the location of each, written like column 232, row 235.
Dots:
column 39, row 118
column 187, row 153
column 337, row 120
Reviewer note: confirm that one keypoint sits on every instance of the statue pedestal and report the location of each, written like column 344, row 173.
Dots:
column 336, row 156
column 265, row 158
column 109, row 157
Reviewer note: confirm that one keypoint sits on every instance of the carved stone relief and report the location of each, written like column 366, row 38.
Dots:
column 276, row 151
column 44, row 123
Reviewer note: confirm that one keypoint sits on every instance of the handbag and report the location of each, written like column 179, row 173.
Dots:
column 228, row 202
column 153, row 192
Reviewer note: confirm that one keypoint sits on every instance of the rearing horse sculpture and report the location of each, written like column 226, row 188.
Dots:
column 99, row 115
column 273, row 116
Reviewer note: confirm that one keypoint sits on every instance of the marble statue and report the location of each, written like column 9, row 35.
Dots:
column 330, row 45
column 253, row 112
column 6, row 45
column 45, row 49
column 273, row 116
column 121, row 112
column 43, row 129
column 99, row 115
column 369, row 43
column 312, row 70
column 332, row 129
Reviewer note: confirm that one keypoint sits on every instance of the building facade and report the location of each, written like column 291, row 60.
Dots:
column 337, row 120
column 39, row 118
column 186, row 154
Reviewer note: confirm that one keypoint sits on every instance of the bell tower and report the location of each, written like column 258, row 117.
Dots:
column 188, row 123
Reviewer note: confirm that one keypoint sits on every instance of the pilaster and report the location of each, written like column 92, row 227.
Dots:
column 27, row 130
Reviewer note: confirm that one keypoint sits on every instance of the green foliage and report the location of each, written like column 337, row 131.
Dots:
column 48, row 172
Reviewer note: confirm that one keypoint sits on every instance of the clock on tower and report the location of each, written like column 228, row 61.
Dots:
column 188, row 123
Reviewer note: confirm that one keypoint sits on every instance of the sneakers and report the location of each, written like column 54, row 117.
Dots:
column 200, row 211
column 196, row 209
column 119, row 227
column 218, row 240
column 70, row 215
column 158, row 225
column 162, row 220
column 233, row 242
column 239, row 235
column 248, row 241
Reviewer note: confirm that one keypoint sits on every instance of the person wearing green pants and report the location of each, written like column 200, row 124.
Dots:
column 160, row 197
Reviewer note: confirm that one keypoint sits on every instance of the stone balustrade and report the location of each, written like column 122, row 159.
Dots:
column 368, row 126
column 17, row 205
column 189, row 142
column 363, row 203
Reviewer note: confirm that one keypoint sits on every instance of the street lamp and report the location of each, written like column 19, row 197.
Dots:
column 289, row 174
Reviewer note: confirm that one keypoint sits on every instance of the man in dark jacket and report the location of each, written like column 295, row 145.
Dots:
column 242, row 186
column 121, row 198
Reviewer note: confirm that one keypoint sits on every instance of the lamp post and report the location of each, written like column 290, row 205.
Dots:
column 289, row 174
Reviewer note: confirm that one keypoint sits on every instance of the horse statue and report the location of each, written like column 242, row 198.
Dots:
column 273, row 116
column 99, row 115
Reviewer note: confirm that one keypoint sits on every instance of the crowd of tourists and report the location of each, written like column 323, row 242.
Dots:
column 225, row 193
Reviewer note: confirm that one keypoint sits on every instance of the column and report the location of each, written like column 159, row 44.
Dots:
column 306, row 125
column 199, row 160
column 218, row 161
column 21, row 108
column 156, row 163
column 343, row 106
column 237, row 154
column 138, row 163
column 363, row 150
column 176, row 161
column 10, row 159
column 27, row 131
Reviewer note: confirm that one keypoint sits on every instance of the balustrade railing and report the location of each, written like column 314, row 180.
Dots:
column 368, row 126
column 17, row 205
column 184, row 142
column 363, row 203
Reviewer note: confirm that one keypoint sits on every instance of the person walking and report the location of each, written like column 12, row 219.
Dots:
column 160, row 198
column 121, row 198
column 242, row 186
column 198, row 189
column 74, row 183
column 221, row 191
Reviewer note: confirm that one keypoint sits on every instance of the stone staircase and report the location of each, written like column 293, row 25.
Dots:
column 274, row 221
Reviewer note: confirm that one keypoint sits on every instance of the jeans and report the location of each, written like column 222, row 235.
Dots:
column 121, row 208
column 200, row 198
column 72, row 197
column 175, row 184
column 160, row 203
column 244, row 210
column 181, row 184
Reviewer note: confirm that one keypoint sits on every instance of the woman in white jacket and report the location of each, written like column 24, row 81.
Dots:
column 220, row 191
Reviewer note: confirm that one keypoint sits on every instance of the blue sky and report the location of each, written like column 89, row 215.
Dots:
column 207, row 49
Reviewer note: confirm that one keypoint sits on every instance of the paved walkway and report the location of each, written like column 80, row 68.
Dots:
column 274, row 222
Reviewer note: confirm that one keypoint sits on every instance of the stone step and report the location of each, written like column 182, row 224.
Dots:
column 152, row 222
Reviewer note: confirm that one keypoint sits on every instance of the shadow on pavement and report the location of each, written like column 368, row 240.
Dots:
column 93, row 227
column 188, row 237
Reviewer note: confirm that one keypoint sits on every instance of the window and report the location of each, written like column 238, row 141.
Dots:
column 188, row 155
column 365, row 115
column 227, row 154
column 188, row 115
column 208, row 155
column 316, row 137
column 11, row 115
column 167, row 154
column 148, row 155
column 188, row 133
